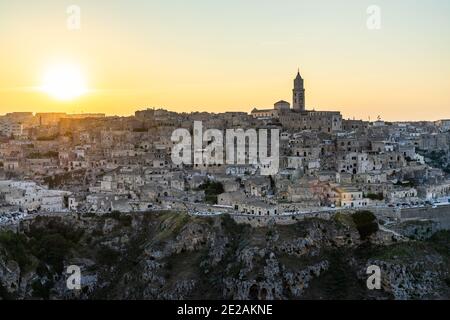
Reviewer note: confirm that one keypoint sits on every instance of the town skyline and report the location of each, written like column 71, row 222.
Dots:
column 297, row 106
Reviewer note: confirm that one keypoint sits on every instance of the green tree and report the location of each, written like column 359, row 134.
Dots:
column 212, row 190
column 366, row 223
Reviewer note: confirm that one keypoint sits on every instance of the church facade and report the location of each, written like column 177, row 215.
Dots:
column 297, row 117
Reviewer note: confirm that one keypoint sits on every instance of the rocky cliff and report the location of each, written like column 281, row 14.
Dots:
column 171, row 255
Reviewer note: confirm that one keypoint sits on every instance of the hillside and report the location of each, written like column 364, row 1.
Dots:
column 170, row 255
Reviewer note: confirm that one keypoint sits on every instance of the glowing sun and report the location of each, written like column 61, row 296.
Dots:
column 64, row 82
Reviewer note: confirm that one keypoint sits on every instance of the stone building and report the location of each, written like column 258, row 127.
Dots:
column 298, row 94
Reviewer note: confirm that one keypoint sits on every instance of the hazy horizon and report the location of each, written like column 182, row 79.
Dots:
column 200, row 111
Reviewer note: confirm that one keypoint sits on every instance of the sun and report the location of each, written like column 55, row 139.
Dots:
column 64, row 82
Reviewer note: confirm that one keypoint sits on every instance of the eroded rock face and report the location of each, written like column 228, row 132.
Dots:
column 415, row 280
column 9, row 275
column 174, row 256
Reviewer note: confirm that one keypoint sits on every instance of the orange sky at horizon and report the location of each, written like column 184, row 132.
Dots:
column 189, row 58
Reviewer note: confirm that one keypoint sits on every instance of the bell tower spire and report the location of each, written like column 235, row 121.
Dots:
column 298, row 93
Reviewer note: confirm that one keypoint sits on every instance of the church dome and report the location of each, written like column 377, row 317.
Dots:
column 282, row 105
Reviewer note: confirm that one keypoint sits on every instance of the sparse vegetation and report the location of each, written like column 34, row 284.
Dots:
column 15, row 247
column 344, row 219
column 366, row 223
column 212, row 190
column 46, row 155
column 375, row 196
column 107, row 256
column 410, row 184
column 125, row 220
column 140, row 130
column 48, row 138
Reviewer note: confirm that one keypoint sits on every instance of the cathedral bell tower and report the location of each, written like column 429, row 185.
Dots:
column 298, row 100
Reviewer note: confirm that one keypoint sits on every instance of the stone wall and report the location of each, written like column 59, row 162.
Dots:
column 441, row 215
column 261, row 221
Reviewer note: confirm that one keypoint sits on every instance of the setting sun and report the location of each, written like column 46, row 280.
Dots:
column 64, row 82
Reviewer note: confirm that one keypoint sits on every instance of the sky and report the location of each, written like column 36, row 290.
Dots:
column 234, row 55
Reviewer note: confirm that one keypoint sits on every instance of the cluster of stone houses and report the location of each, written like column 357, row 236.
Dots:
column 29, row 197
column 105, row 164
